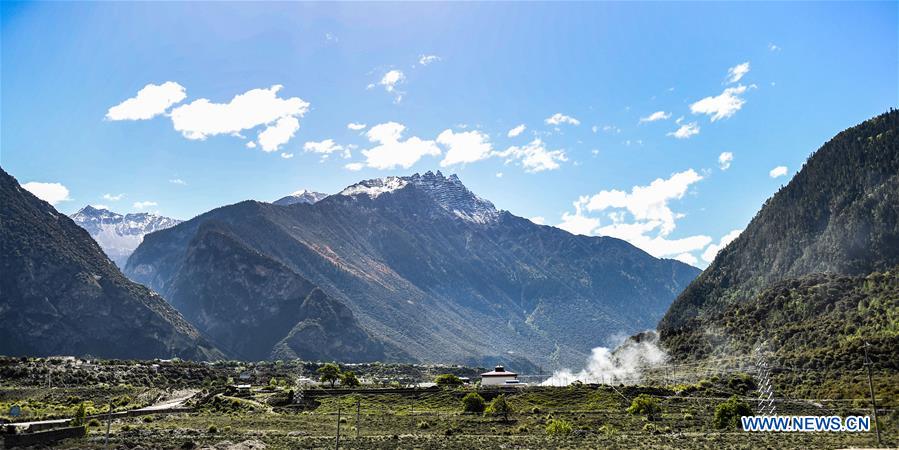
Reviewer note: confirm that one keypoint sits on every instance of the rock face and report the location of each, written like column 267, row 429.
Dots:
column 434, row 272
column 256, row 308
column 838, row 216
column 301, row 196
column 61, row 295
column 119, row 235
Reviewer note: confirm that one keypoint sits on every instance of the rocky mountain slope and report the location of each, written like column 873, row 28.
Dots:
column 433, row 271
column 118, row 235
column 59, row 294
column 255, row 308
column 822, row 249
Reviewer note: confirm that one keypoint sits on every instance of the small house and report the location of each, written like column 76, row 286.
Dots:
column 498, row 377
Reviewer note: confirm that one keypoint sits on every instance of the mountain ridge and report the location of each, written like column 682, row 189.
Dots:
column 60, row 294
column 440, row 274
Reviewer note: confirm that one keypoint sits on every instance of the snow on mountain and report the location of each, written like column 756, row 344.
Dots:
column 301, row 196
column 118, row 235
column 448, row 192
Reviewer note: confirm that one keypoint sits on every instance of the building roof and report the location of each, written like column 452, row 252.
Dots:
column 499, row 371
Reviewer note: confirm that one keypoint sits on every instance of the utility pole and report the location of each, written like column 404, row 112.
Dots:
column 873, row 398
column 357, row 418
column 108, row 424
column 337, row 443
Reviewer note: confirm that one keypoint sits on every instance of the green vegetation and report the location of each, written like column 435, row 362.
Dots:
column 727, row 414
column 348, row 379
column 448, row 380
column 499, row 407
column 644, row 405
column 473, row 403
column 329, row 373
column 559, row 427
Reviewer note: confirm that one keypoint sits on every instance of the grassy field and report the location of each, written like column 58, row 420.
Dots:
column 284, row 415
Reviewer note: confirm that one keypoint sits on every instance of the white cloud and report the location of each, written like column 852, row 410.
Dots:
column 391, row 152
column 274, row 136
column 709, row 254
column 773, row 47
column 778, row 171
column 100, row 206
column 151, row 101
column 559, row 118
column 143, row 205
column 428, row 59
column 735, row 73
column 464, row 147
column 251, row 144
column 390, row 81
column 325, row 147
column 286, row 155
column 687, row 258
column 610, row 129
column 113, row 198
column 539, row 220
column 516, row 131
column 331, row 37
column 578, row 223
column 642, row 216
column 52, row 193
column 724, row 160
column 354, row 167
column 356, row 126
column 658, row 115
column 177, row 181
column 685, row 131
column 499, row 174
column 721, row 106
column 534, row 157
column 202, row 118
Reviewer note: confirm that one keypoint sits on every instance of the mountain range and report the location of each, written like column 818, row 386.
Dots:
column 61, row 295
column 118, row 235
column 814, row 277
column 414, row 268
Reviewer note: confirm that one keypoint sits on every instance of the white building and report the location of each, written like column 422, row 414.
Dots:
column 498, row 377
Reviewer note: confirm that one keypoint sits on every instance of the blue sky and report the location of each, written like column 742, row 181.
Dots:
column 440, row 86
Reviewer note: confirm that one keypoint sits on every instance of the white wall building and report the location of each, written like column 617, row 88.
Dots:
column 497, row 377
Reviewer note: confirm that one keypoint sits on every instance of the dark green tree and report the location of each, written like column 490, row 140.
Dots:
column 473, row 403
column 448, row 380
column 727, row 414
column 329, row 373
column 348, row 379
column 499, row 407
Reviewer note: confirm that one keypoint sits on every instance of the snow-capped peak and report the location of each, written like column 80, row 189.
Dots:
column 447, row 192
column 375, row 187
column 119, row 235
column 301, row 196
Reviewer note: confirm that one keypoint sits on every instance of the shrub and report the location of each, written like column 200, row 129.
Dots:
column 559, row 427
column 644, row 405
column 535, row 410
column 499, row 407
column 727, row 414
column 473, row 402
column 212, row 429
column 448, row 380
column 349, row 379
column 423, row 425
column 94, row 423
column 80, row 414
